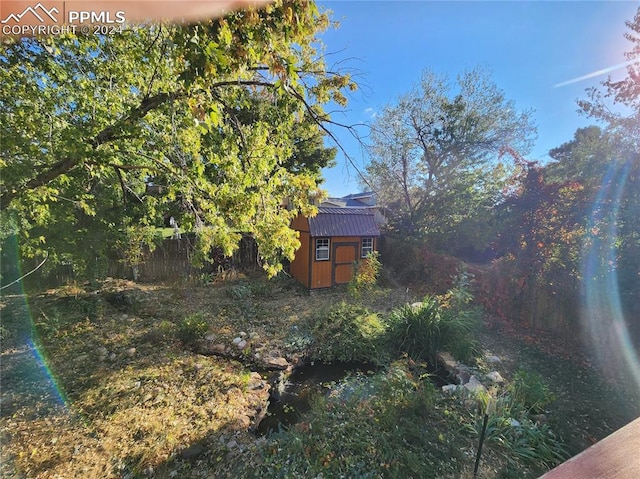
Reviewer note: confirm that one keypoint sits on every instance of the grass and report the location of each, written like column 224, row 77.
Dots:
column 387, row 425
column 141, row 403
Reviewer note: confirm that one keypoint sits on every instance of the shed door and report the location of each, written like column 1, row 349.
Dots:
column 344, row 255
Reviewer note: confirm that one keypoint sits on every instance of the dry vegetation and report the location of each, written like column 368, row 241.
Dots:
column 135, row 400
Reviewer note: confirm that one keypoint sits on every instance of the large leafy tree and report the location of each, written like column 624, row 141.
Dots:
column 433, row 155
column 225, row 115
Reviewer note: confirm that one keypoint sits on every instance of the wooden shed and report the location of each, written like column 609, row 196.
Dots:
column 331, row 243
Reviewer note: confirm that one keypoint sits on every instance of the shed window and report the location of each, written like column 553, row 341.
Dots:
column 322, row 249
column 367, row 247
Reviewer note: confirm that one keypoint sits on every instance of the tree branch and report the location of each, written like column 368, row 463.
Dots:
column 106, row 135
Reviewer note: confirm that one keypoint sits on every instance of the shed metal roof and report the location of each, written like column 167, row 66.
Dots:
column 343, row 222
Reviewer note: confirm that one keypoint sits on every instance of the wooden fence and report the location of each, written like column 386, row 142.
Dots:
column 170, row 261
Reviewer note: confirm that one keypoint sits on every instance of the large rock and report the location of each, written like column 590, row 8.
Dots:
column 447, row 361
column 474, row 385
column 275, row 362
column 495, row 377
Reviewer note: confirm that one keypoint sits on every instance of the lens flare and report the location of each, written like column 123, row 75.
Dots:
column 603, row 315
column 37, row 369
column 47, row 375
column 597, row 73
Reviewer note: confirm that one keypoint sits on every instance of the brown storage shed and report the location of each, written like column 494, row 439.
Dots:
column 331, row 242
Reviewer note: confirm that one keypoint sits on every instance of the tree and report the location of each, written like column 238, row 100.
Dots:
column 604, row 105
column 612, row 254
column 438, row 141
column 220, row 115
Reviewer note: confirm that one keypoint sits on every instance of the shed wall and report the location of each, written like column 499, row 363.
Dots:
column 300, row 265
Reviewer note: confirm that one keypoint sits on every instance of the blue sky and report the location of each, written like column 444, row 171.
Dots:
column 531, row 48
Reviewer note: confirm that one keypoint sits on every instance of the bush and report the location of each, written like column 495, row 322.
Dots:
column 531, row 390
column 350, row 333
column 365, row 275
column 192, row 328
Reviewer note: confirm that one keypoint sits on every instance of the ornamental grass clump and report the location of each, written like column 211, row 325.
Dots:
column 422, row 330
column 439, row 323
column 516, row 436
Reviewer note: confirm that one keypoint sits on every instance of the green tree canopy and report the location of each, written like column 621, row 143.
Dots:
column 225, row 115
column 434, row 148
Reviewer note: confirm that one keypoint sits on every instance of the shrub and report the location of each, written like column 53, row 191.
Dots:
column 531, row 390
column 192, row 328
column 350, row 333
column 365, row 275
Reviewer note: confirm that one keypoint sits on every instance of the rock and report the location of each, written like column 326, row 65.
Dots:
column 449, row 388
column 514, row 422
column 217, row 348
column 495, row 377
column 244, row 422
column 131, row 352
column 232, row 444
column 474, row 385
column 192, row 451
column 255, row 382
column 416, row 305
column 242, row 344
column 446, row 360
column 464, row 376
column 253, row 335
column 236, row 340
column 210, row 337
column 540, row 418
column 275, row 363
column 491, row 359
column 242, row 334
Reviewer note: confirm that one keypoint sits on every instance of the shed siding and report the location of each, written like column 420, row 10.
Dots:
column 343, row 249
column 300, row 264
column 321, row 274
column 300, row 223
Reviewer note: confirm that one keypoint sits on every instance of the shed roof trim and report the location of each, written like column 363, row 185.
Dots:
column 343, row 222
